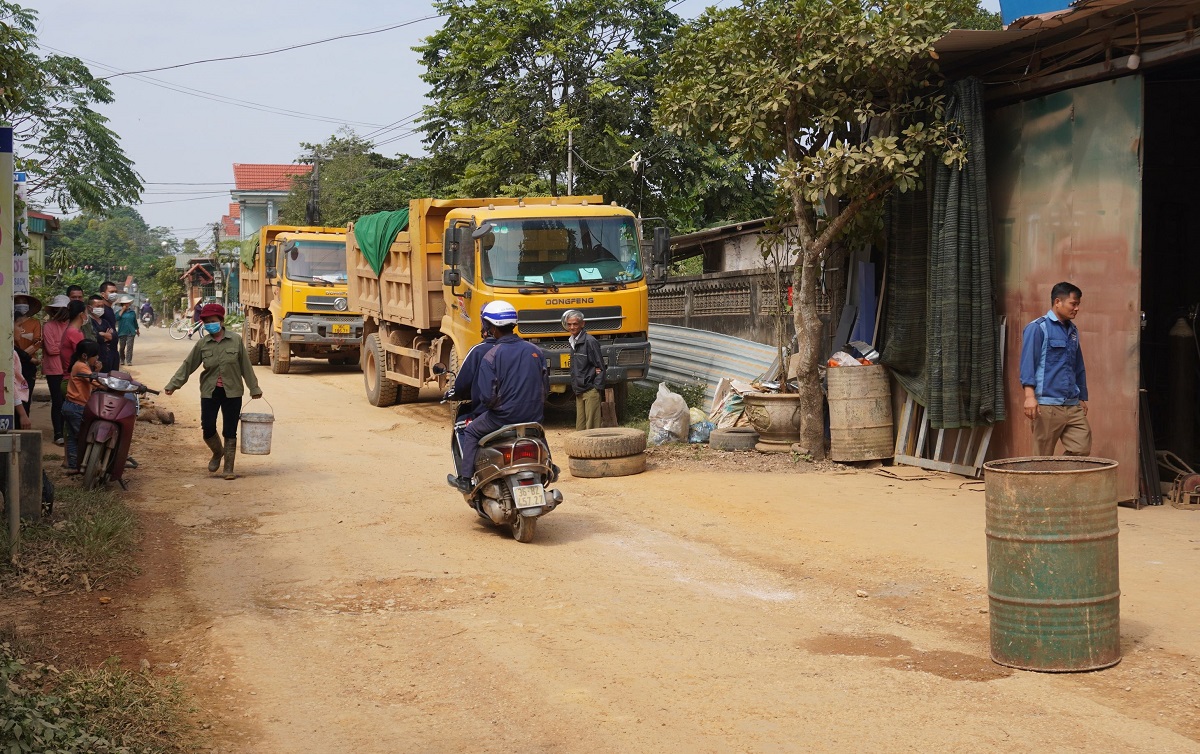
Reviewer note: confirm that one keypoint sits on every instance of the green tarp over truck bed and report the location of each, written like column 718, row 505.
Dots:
column 375, row 233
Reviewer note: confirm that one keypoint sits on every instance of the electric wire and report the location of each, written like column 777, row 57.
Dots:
column 219, row 98
column 289, row 48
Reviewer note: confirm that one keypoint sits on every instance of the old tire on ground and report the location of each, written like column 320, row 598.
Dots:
column 733, row 438
column 380, row 390
column 611, row 442
column 281, row 360
column 593, row 468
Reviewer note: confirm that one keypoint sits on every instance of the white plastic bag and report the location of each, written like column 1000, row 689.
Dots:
column 669, row 418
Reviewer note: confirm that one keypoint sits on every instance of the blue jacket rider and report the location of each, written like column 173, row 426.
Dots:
column 512, row 382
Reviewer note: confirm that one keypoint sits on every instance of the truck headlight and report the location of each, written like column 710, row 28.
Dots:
column 298, row 326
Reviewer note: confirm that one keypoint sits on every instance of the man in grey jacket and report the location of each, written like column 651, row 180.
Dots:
column 587, row 371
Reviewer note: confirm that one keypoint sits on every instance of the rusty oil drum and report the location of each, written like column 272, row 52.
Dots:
column 1053, row 587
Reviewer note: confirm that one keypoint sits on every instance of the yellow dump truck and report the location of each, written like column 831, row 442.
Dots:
column 421, row 276
column 293, row 294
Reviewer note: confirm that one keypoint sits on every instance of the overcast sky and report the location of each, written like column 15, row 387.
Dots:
column 184, row 144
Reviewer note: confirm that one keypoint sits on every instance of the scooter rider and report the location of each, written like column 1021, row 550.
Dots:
column 465, row 382
column 512, row 381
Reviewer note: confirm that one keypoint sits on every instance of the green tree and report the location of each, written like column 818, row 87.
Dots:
column 111, row 246
column 841, row 98
column 73, row 158
column 354, row 181
column 512, row 81
column 164, row 287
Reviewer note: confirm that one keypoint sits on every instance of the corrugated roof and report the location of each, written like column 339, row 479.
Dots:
column 262, row 177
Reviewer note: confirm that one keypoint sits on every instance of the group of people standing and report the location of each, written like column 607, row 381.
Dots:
column 80, row 335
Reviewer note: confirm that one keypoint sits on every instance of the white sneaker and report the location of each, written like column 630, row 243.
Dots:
column 60, row 441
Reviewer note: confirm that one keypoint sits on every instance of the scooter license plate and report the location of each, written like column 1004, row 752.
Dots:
column 532, row 496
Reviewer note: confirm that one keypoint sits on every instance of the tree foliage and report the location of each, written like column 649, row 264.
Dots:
column 73, row 158
column 111, row 246
column 511, row 79
column 841, row 97
column 354, row 181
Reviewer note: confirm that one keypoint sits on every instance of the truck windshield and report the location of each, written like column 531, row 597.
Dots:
column 315, row 262
column 561, row 251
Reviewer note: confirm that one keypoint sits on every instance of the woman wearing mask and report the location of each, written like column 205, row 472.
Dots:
column 52, row 366
column 128, row 328
column 85, row 360
column 27, row 337
column 226, row 366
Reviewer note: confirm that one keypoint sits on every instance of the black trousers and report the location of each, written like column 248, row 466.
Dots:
column 57, row 394
column 231, row 411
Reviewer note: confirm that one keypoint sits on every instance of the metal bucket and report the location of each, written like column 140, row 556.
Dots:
column 1053, row 588
column 860, row 414
column 256, row 433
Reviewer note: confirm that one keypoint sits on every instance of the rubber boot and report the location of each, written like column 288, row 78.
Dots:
column 214, row 444
column 230, row 454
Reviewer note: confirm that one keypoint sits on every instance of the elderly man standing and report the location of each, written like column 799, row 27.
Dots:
column 587, row 371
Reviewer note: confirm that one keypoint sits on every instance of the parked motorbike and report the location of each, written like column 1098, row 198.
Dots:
column 513, row 472
column 107, row 427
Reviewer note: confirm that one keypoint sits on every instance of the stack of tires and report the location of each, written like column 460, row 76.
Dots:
column 616, row 451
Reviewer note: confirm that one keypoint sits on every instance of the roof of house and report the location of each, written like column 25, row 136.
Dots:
column 235, row 209
column 1091, row 40
column 259, row 177
column 692, row 244
column 230, row 226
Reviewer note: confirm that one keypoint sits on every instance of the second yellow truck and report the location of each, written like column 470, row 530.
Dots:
column 420, row 277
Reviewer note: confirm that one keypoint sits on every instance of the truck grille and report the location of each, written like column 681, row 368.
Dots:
column 597, row 318
column 327, row 303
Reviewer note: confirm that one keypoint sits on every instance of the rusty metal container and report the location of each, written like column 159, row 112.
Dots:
column 1053, row 586
column 860, row 413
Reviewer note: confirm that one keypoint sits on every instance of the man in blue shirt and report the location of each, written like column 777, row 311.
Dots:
column 1054, row 378
column 511, row 386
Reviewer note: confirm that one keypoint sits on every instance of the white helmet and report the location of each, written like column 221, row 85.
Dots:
column 500, row 314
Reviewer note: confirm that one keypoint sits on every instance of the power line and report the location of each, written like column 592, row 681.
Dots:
column 273, row 52
column 215, row 97
column 191, row 199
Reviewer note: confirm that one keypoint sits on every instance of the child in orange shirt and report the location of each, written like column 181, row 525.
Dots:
column 84, row 362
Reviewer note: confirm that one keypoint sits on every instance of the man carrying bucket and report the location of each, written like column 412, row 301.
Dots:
column 1054, row 378
column 226, row 366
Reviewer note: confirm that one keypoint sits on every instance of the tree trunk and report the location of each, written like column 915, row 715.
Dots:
column 808, row 348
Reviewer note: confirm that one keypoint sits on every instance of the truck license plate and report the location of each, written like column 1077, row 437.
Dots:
column 564, row 361
column 341, row 329
column 533, row 496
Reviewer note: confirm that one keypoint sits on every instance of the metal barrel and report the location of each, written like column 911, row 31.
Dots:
column 860, row 413
column 1053, row 587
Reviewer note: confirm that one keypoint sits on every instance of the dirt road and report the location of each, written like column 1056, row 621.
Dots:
column 339, row 597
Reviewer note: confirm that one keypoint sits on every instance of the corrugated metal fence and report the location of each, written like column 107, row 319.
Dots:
column 684, row 356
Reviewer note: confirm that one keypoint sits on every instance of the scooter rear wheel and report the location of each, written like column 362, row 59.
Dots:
column 523, row 528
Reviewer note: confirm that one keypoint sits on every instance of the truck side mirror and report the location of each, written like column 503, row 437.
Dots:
column 271, row 259
column 449, row 252
column 660, row 254
column 451, row 278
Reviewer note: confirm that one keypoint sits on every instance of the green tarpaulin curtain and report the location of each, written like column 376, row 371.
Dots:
column 955, row 372
column 375, row 234
column 248, row 251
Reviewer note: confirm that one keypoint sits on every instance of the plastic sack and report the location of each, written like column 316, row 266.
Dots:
column 700, row 431
column 669, row 417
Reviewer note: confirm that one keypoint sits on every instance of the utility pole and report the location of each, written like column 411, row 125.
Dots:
column 312, row 212
column 570, row 163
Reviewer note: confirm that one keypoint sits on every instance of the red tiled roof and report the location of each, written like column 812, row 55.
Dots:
column 230, row 227
column 235, row 209
column 41, row 215
column 266, row 177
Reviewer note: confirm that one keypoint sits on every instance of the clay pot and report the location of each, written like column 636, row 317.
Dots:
column 776, row 417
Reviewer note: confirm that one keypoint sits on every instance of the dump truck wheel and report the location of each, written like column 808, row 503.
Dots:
column 733, row 438
column 614, row 442
column 407, row 393
column 593, row 468
column 281, row 360
column 380, row 390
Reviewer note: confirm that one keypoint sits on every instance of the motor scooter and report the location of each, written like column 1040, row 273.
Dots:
column 107, row 427
column 513, row 472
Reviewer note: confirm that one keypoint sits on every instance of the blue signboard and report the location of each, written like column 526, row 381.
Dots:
column 1011, row 10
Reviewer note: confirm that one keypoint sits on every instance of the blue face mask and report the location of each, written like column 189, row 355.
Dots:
column 212, row 327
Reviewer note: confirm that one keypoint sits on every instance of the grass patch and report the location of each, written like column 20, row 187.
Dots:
column 105, row 709
column 90, row 533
